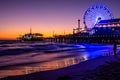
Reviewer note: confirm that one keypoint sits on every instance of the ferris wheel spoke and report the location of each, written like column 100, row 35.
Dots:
column 95, row 12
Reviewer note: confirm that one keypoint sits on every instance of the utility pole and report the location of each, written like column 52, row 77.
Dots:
column 30, row 30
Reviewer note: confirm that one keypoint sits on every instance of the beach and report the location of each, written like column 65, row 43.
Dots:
column 43, row 61
column 74, row 72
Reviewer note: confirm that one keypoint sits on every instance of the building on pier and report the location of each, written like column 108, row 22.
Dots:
column 31, row 36
column 107, row 27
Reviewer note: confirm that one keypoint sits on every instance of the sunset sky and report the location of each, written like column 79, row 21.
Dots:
column 45, row 16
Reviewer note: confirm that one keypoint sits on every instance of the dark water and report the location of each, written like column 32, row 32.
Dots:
column 25, row 58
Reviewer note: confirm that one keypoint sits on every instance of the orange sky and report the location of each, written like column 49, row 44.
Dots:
column 45, row 16
column 14, row 30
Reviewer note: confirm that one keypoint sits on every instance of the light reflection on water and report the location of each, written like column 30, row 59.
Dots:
column 45, row 57
column 56, row 64
column 21, row 70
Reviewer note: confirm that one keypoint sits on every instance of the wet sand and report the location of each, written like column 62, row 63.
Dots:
column 73, row 71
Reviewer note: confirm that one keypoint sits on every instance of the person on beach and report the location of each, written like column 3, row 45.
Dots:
column 114, row 48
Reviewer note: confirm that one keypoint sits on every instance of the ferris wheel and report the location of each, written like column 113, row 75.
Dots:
column 96, row 13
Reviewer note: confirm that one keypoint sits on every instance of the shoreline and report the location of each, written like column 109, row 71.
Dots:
column 72, row 71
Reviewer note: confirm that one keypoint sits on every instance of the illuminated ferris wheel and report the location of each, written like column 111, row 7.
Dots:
column 96, row 13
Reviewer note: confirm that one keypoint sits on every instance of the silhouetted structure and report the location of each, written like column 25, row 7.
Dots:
column 105, row 31
column 76, row 30
column 32, row 36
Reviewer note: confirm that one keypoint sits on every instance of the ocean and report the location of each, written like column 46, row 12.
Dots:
column 18, row 58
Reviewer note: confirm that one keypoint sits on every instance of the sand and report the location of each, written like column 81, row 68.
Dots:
column 73, row 71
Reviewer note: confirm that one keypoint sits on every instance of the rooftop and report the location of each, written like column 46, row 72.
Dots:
column 110, row 21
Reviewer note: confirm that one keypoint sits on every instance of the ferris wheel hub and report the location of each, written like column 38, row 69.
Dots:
column 99, row 18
